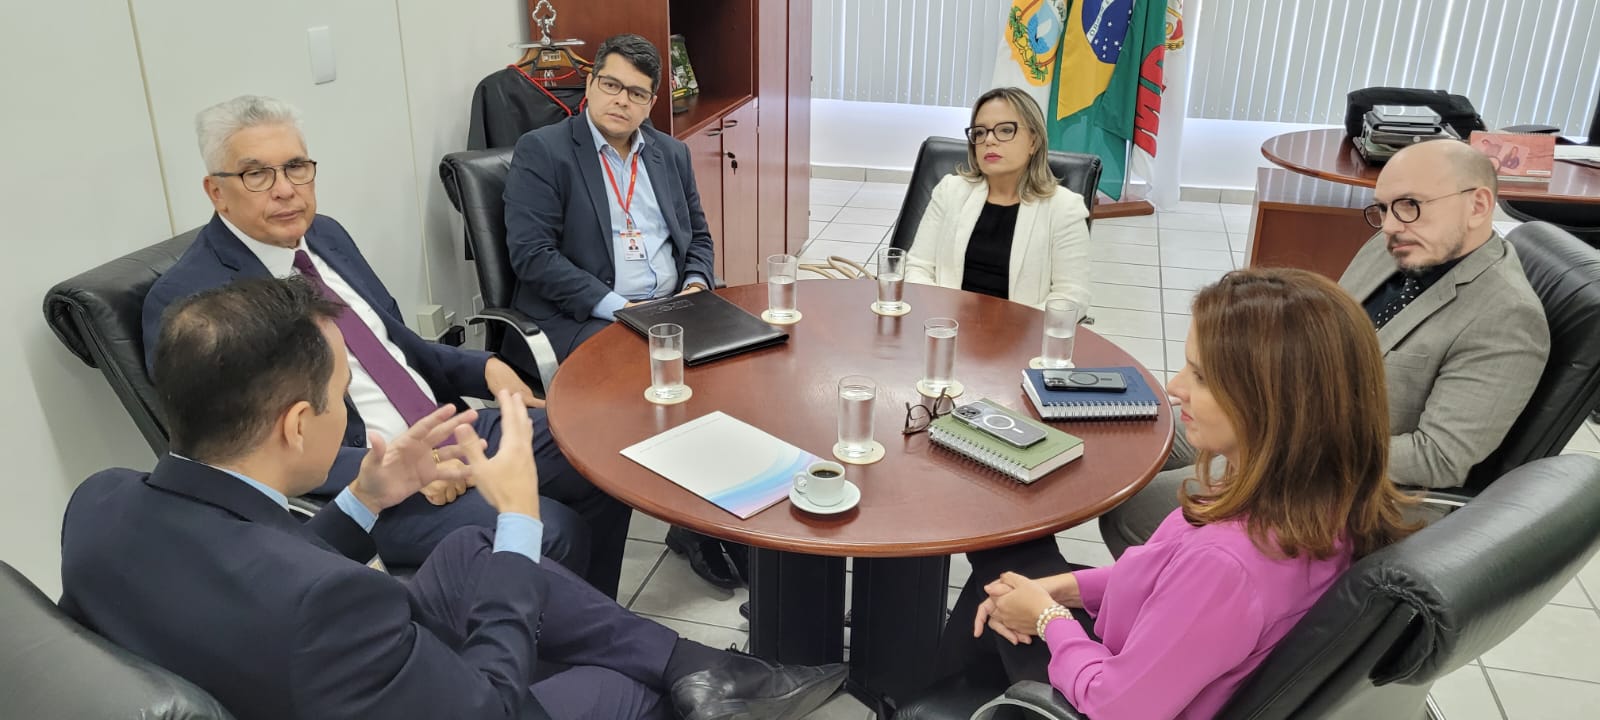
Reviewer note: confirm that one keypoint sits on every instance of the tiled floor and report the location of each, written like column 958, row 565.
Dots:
column 1146, row 270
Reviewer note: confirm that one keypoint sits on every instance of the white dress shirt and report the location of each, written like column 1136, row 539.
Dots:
column 379, row 414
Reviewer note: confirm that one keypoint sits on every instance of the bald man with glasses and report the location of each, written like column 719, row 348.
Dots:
column 1463, row 335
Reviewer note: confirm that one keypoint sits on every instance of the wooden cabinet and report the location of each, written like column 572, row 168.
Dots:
column 748, row 130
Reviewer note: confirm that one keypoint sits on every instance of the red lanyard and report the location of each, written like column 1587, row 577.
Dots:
column 633, row 176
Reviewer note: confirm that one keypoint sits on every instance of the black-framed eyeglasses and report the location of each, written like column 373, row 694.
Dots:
column 611, row 86
column 1004, row 132
column 1406, row 210
column 920, row 416
column 298, row 172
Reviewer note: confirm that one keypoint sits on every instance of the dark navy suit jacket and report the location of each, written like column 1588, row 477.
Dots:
column 206, row 576
column 558, row 223
column 218, row 258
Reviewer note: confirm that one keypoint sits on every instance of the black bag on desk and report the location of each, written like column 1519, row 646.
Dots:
column 1455, row 111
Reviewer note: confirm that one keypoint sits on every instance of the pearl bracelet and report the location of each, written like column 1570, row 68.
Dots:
column 1050, row 613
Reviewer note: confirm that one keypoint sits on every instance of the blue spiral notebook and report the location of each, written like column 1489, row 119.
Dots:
column 1137, row 402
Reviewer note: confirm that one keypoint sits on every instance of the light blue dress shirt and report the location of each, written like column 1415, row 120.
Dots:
column 514, row 532
column 657, row 275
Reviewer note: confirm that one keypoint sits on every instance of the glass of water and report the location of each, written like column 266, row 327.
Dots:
column 1061, row 318
column 891, row 280
column 781, row 291
column 938, row 372
column 856, row 396
column 666, row 361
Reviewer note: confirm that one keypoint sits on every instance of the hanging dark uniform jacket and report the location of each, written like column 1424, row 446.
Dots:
column 509, row 102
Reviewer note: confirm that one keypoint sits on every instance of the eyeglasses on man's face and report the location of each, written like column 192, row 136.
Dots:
column 1406, row 210
column 611, row 86
column 298, row 172
column 920, row 416
column 1004, row 132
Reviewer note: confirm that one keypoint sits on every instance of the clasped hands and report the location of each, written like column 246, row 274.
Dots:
column 394, row 470
column 1015, row 602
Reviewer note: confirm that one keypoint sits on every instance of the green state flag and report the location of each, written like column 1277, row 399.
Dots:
column 1094, row 98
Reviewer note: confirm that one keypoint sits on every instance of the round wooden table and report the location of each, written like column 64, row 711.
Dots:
column 1328, row 155
column 918, row 505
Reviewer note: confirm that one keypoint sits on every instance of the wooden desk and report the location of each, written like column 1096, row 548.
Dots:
column 1309, row 214
column 918, row 505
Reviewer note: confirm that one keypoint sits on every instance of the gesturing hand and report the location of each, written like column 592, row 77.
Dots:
column 509, row 481
column 393, row 471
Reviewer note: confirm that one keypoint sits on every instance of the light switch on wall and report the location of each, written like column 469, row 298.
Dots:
column 320, row 41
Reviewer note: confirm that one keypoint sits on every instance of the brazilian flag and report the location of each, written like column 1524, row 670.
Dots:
column 1094, row 98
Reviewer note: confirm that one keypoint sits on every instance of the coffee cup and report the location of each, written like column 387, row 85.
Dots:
column 822, row 483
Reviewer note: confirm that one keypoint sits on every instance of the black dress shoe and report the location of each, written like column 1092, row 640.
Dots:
column 705, row 557
column 749, row 688
column 739, row 555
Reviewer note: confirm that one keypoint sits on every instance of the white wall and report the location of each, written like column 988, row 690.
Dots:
column 101, row 160
column 80, row 185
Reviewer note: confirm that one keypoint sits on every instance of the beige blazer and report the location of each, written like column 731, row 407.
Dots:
column 1049, row 252
column 1461, row 360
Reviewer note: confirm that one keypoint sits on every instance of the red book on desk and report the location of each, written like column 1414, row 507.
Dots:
column 1517, row 157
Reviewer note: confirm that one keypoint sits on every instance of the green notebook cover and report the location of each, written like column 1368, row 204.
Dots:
column 1025, row 464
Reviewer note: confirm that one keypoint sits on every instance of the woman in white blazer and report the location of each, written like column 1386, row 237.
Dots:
column 1001, row 225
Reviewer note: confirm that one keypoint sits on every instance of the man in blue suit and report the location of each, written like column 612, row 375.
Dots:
column 200, row 568
column 602, row 212
column 262, row 183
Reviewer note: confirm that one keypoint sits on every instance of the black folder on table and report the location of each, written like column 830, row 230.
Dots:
column 713, row 328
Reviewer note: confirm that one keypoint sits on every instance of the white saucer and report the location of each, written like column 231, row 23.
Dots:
column 1038, row 364
column 954, row 389
column 905, row 309
column 852, row 496
column 766, row 317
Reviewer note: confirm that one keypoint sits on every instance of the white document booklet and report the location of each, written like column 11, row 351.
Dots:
column 737, row 466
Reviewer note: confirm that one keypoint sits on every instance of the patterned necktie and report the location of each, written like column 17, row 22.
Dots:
column 1408, row 292
column 368, row 350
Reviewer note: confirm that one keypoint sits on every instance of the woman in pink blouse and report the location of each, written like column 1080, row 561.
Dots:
column 1283, row 379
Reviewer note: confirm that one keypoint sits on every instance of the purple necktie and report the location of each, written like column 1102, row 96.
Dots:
column 368, row 350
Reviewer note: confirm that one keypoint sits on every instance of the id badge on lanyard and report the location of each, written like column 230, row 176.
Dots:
column 633, row 240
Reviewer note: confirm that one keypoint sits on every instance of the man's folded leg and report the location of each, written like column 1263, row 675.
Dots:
column 607, row 517
column 581, row 627
column 407, row 534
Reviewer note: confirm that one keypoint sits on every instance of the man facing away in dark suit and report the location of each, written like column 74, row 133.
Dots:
column 602, row 213
column 199, row 566
column 262, row 183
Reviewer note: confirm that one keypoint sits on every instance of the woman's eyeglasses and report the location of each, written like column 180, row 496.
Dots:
column 920, row 416
column 1004, row 132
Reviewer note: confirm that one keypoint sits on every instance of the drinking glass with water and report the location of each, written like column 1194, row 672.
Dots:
column 782, row 294
column 1061, row 318
column 938, row 372
column 891, row 280
column 857, row 394
column 666, row 361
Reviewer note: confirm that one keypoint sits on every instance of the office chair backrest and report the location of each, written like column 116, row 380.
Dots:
column 1565, row 274
column 1417, row 610
column 98, row 315
column 52, row 667
column 475, row 180
column 939, row 157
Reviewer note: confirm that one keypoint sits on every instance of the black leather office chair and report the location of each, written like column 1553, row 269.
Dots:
column 475, row 180
column 1582, row 220
column 99, row 314
column 1565, row 274
column 52, row 667
column 1400, row 618
column 939, row 157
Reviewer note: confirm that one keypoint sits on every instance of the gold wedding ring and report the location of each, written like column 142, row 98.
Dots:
column 436, row 459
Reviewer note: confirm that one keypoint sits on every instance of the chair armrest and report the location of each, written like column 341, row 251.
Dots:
column 1034, row 697
column 1532, row 129
column 544, row 355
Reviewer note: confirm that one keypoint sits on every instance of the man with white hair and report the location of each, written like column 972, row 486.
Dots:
column 262, row 182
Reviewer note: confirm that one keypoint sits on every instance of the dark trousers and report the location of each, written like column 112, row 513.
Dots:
column 990, row 660
column 589, row 537
column 597, row 660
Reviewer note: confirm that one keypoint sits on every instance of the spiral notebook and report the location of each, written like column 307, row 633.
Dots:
column 1138, row 401
column 1024, row 465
